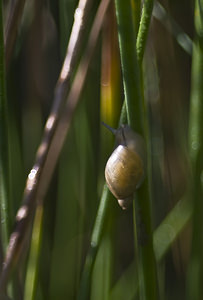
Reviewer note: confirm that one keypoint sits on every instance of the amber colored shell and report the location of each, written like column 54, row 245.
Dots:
column 123, row 172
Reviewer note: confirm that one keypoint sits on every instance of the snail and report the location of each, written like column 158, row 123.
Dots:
column 125, row 168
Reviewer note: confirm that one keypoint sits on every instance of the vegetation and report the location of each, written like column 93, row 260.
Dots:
column 66, row 67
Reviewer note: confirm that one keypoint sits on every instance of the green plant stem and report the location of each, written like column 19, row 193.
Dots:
column 170, row 228
column 33, row 262
column 147, row 267
column 84, row 292
column 123, row 115
column 195, row 272
column 129, row 64
column 136, row 8
column 184, row 41
column 144, row 28
column 135, row 110
column 4, row 144
column 163, row 238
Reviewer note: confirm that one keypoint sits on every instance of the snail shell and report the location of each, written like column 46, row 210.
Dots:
column 124, row 170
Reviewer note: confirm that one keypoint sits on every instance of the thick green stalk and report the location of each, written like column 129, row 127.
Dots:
column 129, row 64
column 4, row 148
column 135, row 110
column 136, row 9
column 195, row 271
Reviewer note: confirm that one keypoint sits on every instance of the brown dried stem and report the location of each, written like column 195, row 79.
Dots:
column 32, row 192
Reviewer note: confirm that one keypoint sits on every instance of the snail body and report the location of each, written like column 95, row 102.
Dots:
column 124, row 171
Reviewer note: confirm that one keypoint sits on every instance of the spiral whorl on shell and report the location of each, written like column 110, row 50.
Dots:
column 124, row 169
